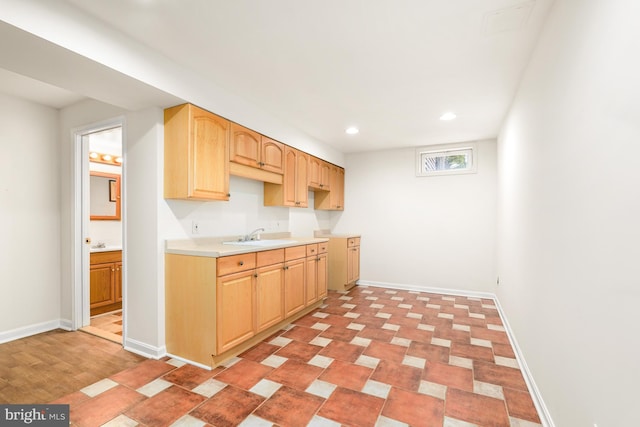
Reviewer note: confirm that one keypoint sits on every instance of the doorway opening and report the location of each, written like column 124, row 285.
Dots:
column 99, row 290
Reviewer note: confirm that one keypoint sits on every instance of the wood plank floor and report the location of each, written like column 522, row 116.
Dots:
column 47, row 366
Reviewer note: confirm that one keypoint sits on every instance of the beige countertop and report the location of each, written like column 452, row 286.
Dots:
column 214, row 247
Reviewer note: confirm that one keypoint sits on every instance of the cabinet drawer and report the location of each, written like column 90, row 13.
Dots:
column 102, row 257
column 354, row 241
column 274, row 256
column 236, row 263
column 312, row 249
column 295, row 252
column 323, row 247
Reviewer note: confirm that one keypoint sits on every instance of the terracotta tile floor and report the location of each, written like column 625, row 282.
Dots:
column 368, row 357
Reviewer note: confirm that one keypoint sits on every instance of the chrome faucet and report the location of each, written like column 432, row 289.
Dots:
column 252, row 236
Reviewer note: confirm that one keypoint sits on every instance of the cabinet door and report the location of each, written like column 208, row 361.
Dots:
column 323, row 273
column 340, row 192
column 315, row 172
column 353, row 264
column 336, row 195
column 325, row 183
column 209, row 156
column 235, row 309
column 289, row 181
column 294, row 276
column 302, row 190
column 244, row 147
column 311, row 282
column 333, row 199
column 117, row 281
column 272, row 156
column 101, row 285
column 269, row 296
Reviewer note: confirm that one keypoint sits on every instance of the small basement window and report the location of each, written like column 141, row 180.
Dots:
column 446, row 159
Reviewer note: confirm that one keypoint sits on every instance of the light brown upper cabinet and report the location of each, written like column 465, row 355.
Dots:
column 196, row 154
column 319, row 174
column 334, row 199
column 293, row 191
column 251, row 149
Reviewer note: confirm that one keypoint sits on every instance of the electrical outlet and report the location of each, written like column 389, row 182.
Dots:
column 195, row 227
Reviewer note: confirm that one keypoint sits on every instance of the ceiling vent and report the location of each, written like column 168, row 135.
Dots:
column 508, row 19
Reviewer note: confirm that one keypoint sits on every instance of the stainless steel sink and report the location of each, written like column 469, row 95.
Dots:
column 260, row 243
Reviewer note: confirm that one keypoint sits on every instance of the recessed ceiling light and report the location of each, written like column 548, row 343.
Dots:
column 352, row 130
column 448, row 116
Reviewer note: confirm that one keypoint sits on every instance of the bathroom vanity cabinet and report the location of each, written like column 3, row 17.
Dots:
column 105, row 277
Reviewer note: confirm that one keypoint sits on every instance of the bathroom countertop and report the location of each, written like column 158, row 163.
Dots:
column 106, row 249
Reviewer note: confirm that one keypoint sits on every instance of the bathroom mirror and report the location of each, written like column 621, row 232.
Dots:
column 104, row 189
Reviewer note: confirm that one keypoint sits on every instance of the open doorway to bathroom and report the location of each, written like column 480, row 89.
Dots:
column 102, row 228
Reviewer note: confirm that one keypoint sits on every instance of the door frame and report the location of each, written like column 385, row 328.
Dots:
column 80, row 315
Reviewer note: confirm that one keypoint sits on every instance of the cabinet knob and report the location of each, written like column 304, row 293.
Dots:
column 313, row 250
column 241, row 263
column 286, row 267
column 255, row 275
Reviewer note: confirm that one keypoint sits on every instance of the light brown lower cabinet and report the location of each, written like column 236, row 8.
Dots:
column 269, row 289
column 316, row 272
column 344, row 262
column 216, row 307
column 294, row 280
column 235, row 311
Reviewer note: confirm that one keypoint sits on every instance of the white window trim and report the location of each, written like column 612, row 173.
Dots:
column 447, row 148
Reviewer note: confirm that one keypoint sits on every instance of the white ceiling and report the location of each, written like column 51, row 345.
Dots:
column 389, row 67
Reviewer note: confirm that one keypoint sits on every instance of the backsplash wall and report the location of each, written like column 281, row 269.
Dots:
column 244, row 212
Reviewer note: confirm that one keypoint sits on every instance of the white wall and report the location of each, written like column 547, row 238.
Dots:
column 569, row 210
column 29, row 215
column 244, row 212
column 144, row 246
column 434, row 231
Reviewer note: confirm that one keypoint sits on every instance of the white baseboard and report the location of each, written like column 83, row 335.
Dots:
column 27, row 331
column 543, row 411
column 407, row 287
column 66, row 324
column 143, row 349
